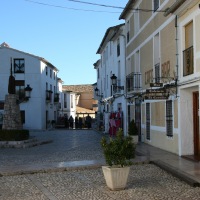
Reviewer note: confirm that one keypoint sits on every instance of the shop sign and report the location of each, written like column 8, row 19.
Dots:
column 155, row 97
column 156, row 84
column 156, row 90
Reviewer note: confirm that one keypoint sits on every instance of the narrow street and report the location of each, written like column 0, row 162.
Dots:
column 70, row 168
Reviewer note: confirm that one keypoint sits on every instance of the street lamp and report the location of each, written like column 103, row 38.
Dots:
column 114, row 83
column 97, row 92
column 114, row 80
column 28, row 90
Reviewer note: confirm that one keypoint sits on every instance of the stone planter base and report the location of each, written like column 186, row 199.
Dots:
column 116, row 178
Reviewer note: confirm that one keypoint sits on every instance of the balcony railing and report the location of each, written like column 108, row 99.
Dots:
column 188, row 60
column 133, row 82
column 48, row 95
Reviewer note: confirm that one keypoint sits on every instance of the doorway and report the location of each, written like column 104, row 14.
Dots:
column 196, row 124
column 138, row 117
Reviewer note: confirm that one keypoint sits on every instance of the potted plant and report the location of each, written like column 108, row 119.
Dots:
column 133, row 131
column 118, row 153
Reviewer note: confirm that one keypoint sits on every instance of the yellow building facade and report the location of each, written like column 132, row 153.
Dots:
column 163, row 57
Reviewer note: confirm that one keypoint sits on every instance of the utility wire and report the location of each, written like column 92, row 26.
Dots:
column 96, row 4
column 57, row 6
column 77, row 1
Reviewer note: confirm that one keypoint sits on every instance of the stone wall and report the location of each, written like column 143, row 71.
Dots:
column 12, row 117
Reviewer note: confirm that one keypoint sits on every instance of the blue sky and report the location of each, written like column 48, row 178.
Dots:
column 67, row 38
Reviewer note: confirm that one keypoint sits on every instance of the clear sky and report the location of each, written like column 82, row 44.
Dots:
column 60, row 31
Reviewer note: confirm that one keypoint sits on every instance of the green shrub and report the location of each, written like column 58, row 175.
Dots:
column 132, row 128
column 119, row 150
column 14, row 135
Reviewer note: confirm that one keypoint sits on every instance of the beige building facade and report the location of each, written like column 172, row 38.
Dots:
column 163, row 54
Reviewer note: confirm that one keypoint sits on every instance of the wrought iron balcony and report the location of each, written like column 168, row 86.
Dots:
column 48, row 95
column 188, row 61
column 134, row 82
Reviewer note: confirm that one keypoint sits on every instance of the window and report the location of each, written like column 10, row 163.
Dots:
column 22, row 113
column 19, row 65
column 46, row 71
column 98, row 73
column 157, row 57
column 136, row 22
column 157, row 73
column 19, row 87
column 127, row 31
column 50, row 73
column 54, row 75
column 65, row 100
column 188, row 52
column 148, row 123
column 169, row 118
column 118, row 47
column 155, row 5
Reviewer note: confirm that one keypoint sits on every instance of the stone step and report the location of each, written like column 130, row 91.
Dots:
column 23, row 144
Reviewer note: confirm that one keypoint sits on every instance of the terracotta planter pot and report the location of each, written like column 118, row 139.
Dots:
column 116, row 177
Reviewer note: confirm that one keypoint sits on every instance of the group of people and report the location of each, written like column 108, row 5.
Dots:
column 79, row 122
column 115, row 122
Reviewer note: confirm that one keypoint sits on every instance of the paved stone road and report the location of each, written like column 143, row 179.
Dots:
column 146, row 181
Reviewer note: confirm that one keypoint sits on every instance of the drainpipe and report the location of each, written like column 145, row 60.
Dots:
column 177, row 54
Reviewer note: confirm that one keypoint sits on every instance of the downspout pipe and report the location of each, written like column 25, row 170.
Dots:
column 174, row 7
column 177, row 54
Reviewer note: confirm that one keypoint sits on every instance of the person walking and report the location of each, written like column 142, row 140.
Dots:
column 71, row 121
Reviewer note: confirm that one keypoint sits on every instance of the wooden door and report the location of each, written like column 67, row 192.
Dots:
column 196, row 123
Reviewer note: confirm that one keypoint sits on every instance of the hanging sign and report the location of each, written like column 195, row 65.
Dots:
column 156, row 97
column 156, row 90
column 156, row 84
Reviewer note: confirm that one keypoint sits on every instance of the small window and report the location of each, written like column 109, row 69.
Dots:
column 19, row 87
column 54, row 75
column 118, row 47
column 65, row 100
column 46, row 71
column 98, row 73
column 50, row 73
column 22, row 113
column 127, row 31
column 19, row 65
column 155, row 5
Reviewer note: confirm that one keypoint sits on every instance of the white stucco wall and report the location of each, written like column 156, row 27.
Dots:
column 35, row 75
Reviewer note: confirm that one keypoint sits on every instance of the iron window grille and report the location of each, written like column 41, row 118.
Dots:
column 133, row 82
column 19, row 65
column 188, row 61
column 148, row 123
column 157, row 73
column 169, row 118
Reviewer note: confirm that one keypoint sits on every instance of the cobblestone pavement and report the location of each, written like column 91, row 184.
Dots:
column 146, row 181
column 67, row 145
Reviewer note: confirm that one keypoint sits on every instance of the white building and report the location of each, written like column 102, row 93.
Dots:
column 38, row 112
column 112, row 98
